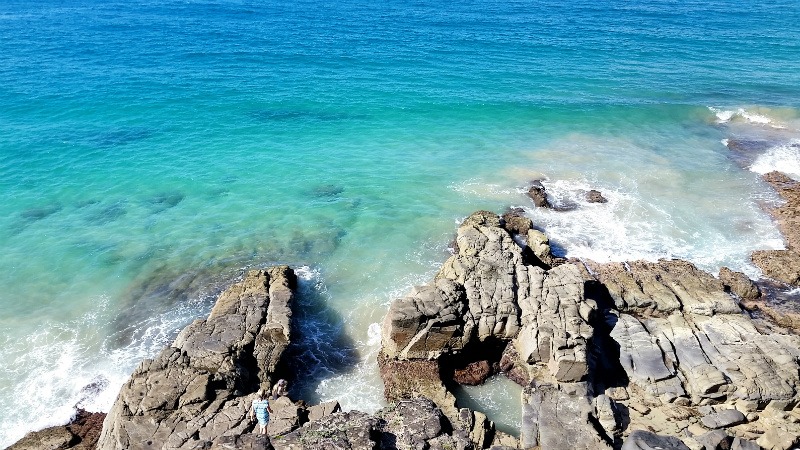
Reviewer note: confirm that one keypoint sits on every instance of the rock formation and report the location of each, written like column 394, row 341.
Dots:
column 200, row 388
column 81, row 434
column 611, row 355
column 783, row 265
column 634, row 355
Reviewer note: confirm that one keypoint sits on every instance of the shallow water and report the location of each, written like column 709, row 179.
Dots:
column 152, row 151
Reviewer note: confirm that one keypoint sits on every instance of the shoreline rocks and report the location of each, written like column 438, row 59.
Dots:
column 622, row 349
column 632, row 355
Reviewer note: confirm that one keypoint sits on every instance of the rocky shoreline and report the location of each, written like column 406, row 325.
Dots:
column 635, row 355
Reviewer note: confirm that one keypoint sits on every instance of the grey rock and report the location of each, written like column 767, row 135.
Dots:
column 342, row 430
column 645, row 440
column 553, row 419
column 595, row 196
column 714, row 440
column 321, row 410
column 743, row 444
column 537, row 193
column 284, row 418
column 555, row 327
column 724, row 418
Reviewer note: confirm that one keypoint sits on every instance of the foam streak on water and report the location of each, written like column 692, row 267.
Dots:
column 152, row 150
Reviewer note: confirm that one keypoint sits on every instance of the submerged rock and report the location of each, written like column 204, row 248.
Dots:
column 595, row 196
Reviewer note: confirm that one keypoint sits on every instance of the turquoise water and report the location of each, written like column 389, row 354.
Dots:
column 150, row 151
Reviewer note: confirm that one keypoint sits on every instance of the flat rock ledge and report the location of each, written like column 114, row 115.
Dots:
column 634, row 355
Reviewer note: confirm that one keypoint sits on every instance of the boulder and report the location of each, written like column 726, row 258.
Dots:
column 200, row 388
column 714, row 440
column 537, row 193
column 515, row 222
column 595, row 196
column 645, row 440
column 723, row 419
column 317, row 412
column 739, row 284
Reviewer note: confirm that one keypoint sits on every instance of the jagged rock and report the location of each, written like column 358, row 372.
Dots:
column 317, row 412
column 714, row 440
column 778, row 303
column 511, row 366
column 663, row 287
column 515, row 222
column 408, row 379
column 488, row 265
column 692, row 336
column 554, row 419
column 194, row 391
column 473, row 374
column 429, row 321
column 555, row 317
column 284, row 418
column 645, row 440
column 595, row 196
column 739, row 284
column 80, row 433
column 539, row 244
column 722, row 419
column 87, row 426
column 537, row 193
column 783, row 265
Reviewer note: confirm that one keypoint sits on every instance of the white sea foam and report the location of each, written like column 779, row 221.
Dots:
column 59, row 367
column 741, row 114
column 631, row 227
column 784, row 158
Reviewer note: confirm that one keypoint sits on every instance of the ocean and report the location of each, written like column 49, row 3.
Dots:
column 151, row 151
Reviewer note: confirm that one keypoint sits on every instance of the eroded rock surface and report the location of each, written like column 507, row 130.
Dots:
column 608, row 352
column 200, row 388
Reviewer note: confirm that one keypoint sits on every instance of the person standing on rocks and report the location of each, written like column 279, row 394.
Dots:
column 261, row 410
column 280, row 389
